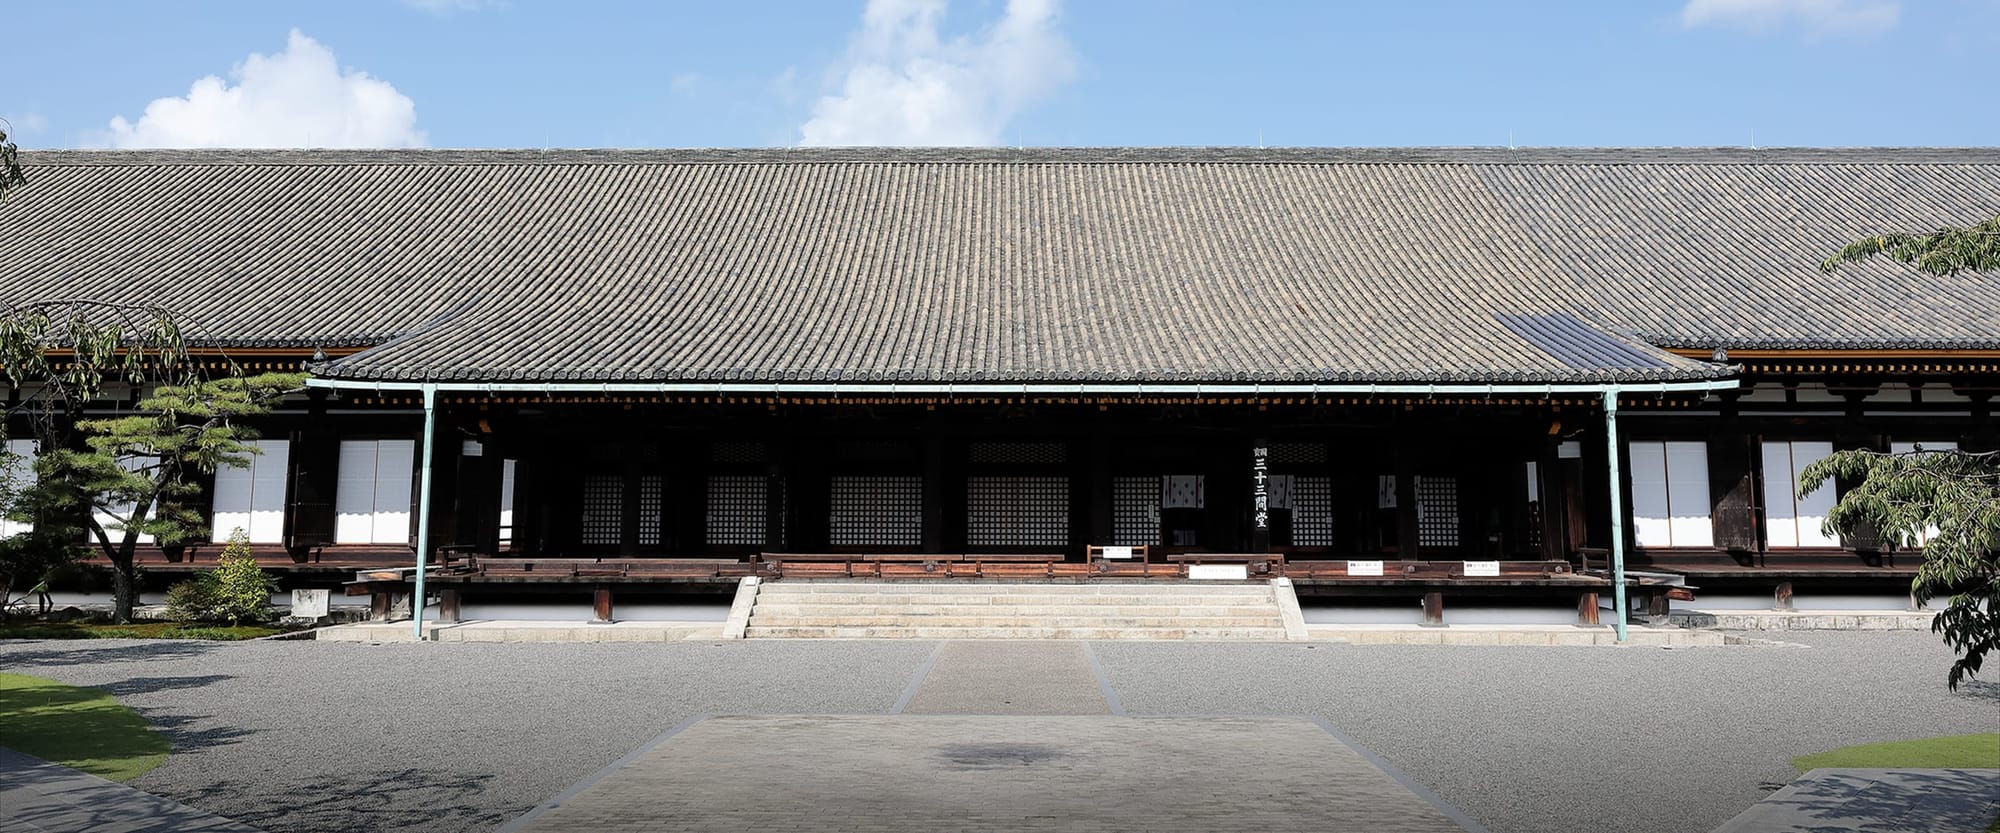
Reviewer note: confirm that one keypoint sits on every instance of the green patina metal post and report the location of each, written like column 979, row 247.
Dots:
column 424, row 509
column 1617, row 510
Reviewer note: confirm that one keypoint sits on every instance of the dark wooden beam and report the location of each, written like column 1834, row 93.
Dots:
column 1586, row 607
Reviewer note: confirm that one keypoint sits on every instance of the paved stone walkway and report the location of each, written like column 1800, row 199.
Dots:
column 997, row 773
column 1009, row 678
column 1836, row 800
column 40, row 797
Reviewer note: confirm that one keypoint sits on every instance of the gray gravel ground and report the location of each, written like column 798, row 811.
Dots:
column 300, row 737
column 1580, row 739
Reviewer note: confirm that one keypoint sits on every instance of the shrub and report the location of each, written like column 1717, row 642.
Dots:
column 242, row 589
column 192, row 600
column 236, row 591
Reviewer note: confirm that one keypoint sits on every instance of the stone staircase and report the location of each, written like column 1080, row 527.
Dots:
column 983, row 610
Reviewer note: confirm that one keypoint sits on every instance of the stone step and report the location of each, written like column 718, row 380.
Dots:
column 876, row 632
column 1268, row 620
column 790, row 608
column 1015, row 599
column 942, row 586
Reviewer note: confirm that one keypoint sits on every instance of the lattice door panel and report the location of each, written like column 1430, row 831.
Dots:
column 1019, row 453
column 1437, row 512
column 1312, row 511
column 603, row 509
column 1135, row 511
column 877, row 511
column 1298, row 453
column 738, row 509
column 652, row 509
column 739, row 452
column 1017, row 511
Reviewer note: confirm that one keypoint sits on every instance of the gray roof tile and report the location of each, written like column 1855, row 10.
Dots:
column 1005, row 265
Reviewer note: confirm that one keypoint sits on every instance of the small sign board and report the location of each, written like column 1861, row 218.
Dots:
column 1364, row 568
column 1569, row 450
column 1482, row 568
column 1219, row 572
column 309, row 604
column 1117, row 552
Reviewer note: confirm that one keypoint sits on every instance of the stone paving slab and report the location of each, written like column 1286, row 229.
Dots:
column 1839, row 800
column 40, row 797
column 914, row 773
column 1009, row 678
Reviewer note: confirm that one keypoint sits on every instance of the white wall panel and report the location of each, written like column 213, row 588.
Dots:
column 1687, row 490
column 1651, row 521
column 354, row 497
column 1781, row 527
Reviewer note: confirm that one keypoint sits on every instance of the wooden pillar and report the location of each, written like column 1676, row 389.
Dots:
column 1659, row 604
column 937, row 494
column 1586, row 607
column 600, row 605
column 1783, row 596
column 315, row 476
column 1406, row 505
column 1099, row 485
column 379, row 603
column 448, row 611
column 1433, row 608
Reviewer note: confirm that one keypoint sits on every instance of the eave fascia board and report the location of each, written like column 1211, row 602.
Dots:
column 1511, row 389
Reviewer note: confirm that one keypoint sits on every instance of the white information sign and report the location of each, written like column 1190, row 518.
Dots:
column 1482, row 568
column 1219, row 572
column 1117, row 552
column 309, row 604
column 1364, row 568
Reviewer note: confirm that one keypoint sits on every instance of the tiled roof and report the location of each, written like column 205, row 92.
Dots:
column 1131, row 265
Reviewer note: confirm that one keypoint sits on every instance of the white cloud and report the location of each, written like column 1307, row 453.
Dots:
column 297, row 98
column 902, row 84
column 1817, row 17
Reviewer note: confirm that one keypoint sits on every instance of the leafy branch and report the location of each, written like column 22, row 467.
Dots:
column 1947, row 251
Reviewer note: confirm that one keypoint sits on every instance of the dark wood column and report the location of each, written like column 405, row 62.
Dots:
column 314, row 476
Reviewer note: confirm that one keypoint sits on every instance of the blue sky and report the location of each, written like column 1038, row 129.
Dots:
column 493, row 73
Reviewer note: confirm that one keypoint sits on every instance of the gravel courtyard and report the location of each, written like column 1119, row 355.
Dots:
column 309, row 736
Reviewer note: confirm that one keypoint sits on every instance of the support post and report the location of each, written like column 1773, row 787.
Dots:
column 600, row 605
column 424, row 509
column 1617, row 491
column 448, row 606
column 1586, row 607
column 1434, row 608
column 1782, row 596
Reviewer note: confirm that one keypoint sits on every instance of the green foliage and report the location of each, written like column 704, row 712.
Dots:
column 1950, row 502
column 143, row 470
column 236, row 591
column 140, row 630
column 192, row 600
column 1955, row 751
column 11, row 178
column 242, row 590
column 1947, row 251
column 81, row 728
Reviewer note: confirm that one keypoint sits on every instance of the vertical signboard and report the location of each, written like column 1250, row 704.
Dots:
column 1260, row 496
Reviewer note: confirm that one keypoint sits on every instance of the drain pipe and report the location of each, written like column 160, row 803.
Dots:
column 429, row 450
column 1617, row 509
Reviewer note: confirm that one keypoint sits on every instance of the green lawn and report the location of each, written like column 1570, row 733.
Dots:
column 81, row 728
column 1953, row 751
column 137, row 630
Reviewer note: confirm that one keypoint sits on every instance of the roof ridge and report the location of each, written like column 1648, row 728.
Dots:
column 1577, row 156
